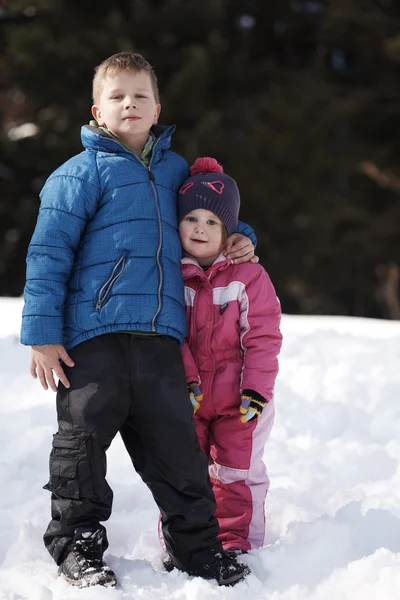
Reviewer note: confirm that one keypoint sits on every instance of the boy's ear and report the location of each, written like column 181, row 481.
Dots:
column 96, row 112
column 156, row 114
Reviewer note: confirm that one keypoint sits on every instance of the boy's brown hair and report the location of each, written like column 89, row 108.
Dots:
column 123, row 61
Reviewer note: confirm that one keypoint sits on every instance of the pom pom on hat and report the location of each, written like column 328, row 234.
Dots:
column 205, row 165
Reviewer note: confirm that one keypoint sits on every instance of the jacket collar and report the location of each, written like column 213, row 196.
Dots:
column 93, row 138
column 190, row 266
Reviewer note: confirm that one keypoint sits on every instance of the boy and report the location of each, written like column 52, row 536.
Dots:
column 104, row 294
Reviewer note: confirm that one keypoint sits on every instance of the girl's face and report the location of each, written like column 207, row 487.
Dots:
column 201, row 234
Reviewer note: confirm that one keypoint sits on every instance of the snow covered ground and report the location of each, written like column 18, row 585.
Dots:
column 333, row 459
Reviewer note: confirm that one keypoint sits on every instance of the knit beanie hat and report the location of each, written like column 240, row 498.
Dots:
column 208, row 187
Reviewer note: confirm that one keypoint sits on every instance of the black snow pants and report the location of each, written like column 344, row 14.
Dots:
column 134, row 385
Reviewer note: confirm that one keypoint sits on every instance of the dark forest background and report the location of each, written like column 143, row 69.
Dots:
column 299, row 100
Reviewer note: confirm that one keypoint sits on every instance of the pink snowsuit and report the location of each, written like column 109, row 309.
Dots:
column 233, row 342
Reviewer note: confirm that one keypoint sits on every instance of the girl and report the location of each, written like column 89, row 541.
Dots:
column 230, row 352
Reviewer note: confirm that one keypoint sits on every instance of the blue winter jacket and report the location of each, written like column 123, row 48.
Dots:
column 105, row 253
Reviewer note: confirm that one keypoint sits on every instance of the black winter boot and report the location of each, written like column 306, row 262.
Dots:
column 221, row 566
column 83, row 564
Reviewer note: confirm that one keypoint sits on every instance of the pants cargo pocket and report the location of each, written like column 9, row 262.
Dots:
column 78, row 467
column 92, row 470
column 64, row 460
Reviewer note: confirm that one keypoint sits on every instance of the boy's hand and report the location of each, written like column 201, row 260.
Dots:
column 239, row 249
column 44, row 360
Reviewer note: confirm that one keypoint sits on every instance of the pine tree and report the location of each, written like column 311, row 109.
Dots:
column 297, row 99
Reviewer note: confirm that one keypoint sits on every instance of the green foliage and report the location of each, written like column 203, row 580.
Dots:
column 293, row 97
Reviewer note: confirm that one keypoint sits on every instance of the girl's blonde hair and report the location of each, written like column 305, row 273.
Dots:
column 224, row 236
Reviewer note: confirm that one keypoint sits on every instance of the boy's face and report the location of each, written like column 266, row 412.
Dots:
column 127, row 107
column 201, row 235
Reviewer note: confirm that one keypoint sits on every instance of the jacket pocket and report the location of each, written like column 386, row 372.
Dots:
column 106, row 288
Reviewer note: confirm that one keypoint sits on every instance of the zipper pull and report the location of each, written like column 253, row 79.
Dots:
column 223, row 308
column 151, row 176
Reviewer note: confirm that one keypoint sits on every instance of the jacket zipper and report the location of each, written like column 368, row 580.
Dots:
column 160, row 240
column 106, row 288
column 160, row 273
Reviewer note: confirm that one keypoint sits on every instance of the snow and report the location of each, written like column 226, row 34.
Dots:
column 333, row 459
